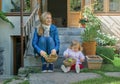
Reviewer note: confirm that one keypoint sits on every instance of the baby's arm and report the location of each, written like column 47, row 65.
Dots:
column 65, row 54
column 82, row 57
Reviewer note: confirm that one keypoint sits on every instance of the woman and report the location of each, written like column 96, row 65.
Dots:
column 46, row 40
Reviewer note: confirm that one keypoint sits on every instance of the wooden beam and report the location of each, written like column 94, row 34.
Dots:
column 21, row 28
column 106, row 5
column 0, row 4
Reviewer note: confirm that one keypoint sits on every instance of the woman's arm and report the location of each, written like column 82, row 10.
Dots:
column 57, row 41
column 34, row 42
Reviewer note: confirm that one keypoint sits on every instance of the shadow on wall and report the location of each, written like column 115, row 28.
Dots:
column 1, row 61
column 60, row 22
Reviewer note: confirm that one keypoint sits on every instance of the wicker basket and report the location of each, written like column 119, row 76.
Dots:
column 68, row 63
column 94, row 62
column 51, row 58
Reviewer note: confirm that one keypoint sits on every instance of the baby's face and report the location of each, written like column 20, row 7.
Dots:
column 75, row 48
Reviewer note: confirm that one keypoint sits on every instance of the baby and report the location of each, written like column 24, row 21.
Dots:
column 74, row 51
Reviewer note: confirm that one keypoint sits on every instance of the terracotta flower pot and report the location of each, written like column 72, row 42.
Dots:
column 83, row 25
column 89, row 48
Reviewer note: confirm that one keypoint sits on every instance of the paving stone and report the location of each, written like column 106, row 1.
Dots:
column 60, row 77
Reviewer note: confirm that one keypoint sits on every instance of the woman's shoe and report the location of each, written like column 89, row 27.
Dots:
column 44, row 67
column 50, row 67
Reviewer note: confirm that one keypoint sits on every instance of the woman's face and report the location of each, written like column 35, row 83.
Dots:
column 48, row 20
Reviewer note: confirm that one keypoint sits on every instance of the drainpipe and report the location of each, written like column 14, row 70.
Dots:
column 21, row 28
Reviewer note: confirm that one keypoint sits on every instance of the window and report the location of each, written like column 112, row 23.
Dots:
column 114, row 6
column 107, row 7
column 75, row 5
column 13, row 6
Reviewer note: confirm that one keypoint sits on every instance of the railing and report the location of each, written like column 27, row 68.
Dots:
column 30, row 23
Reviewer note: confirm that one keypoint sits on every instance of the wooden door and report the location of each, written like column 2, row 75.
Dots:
column 74, row 12
column 16, row 54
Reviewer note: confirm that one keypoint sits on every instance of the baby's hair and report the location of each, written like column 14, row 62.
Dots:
column 76, row 43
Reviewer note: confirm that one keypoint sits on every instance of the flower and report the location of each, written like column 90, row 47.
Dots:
column 83, row 20
column 106, row 39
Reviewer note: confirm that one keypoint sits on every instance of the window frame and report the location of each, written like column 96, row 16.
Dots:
column 17, row 13
column 106, row 9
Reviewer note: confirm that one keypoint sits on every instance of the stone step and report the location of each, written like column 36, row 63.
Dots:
column 68, row 38
column 31, row 61
column 70, row 31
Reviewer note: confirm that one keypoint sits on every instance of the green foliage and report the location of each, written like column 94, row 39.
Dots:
column 25, row 82
column 106, row 53
column 101, row 80
column 92, row 26
column 83, row 21
column 27, row 8
column 9, row 80
column 106, row 39
column 3, row 17
column 98, row 5
column 116, row 61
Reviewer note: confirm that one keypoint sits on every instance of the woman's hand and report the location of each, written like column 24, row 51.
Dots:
column 43, row 53
column 53, row 52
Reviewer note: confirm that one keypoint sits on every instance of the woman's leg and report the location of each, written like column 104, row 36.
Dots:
column 50, row 46
column 42, row 44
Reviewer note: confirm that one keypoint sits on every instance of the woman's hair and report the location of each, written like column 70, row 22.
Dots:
column 76, row 43
column 42, row 20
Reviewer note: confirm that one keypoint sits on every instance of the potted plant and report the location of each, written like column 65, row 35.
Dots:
column 83, row 21
column 90, row 33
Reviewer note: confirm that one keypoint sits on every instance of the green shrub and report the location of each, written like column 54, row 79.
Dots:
column 106, row 53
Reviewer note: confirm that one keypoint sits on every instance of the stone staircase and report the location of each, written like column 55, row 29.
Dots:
column 66, row 35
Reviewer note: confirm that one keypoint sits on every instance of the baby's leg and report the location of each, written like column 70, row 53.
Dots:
column 64, row 69
column 77, row 68
column 68, row 68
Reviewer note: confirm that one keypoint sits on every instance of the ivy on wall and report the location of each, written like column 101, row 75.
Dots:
column 3, row 17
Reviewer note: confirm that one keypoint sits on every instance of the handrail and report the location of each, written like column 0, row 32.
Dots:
column 32, row 14
column 29, row 24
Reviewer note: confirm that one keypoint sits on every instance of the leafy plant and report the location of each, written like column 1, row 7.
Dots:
column 106, row 39
column 3, row 17
column 83, row 20
column 92, row 26
column 106, row 53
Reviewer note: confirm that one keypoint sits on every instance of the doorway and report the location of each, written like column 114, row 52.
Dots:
column 58, row 8
column 16, row 54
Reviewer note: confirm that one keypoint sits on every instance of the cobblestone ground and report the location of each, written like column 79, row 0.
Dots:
column 60, row 78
